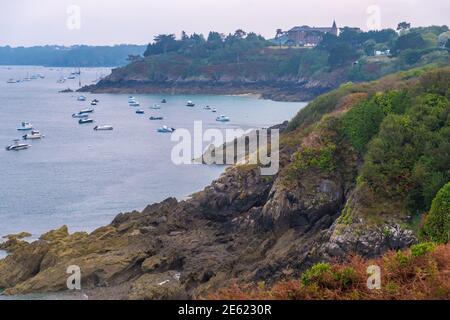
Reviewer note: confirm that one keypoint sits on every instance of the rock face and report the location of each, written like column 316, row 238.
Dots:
column 243, row 227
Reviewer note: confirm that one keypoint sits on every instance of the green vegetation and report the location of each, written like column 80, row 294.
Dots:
column 437, row 223
column 400, row 128
column 352, row 56
column 421, row 249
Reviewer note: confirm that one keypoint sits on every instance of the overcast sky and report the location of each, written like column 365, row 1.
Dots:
column 31, row 22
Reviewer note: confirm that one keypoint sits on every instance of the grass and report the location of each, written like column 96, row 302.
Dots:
column 421, row 272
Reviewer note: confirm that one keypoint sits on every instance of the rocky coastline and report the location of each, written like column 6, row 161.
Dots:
column 277, row 91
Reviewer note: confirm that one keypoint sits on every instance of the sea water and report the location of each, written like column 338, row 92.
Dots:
column 82, row 178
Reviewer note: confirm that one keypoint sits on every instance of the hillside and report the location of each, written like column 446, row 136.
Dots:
column 365, row 169
column 246, row 63
column 75, row 56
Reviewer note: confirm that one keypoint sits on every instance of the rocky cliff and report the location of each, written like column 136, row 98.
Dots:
column 244, row 227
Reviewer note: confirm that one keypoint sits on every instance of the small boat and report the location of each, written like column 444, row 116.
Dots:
column 86, row 111
column 156, row 107
column 214, row 110
column 27, row 79
column 71, row 77
column 103, row 128
column 93, row 103
column 166, row 129
column 81, row 98
column 223, row 119
column 207, row 108
column 190, row 104
column 34, row 135
column 163, row 101
column 26, row 126
column 80, row 115
column 156, row 118
column 34, row 77
column 85, row 121
column 96, row 100
column 135, row 104
column 140, row 111
column 11, row 81
column 18, row 146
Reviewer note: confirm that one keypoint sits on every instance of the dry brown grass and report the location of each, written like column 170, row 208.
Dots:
column 405, row 276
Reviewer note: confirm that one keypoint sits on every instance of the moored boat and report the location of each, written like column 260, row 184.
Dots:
column 166, row 129
column 223, row 118
column 16, row 146
column 85, row 121
column 104, row 128
column 140, row 111
column 80, row 115
column 156, row 118
column 86, row 111
column 190, row 104
column 82, row 98
column 155, row 107
column 34, row 135
column 25, row 126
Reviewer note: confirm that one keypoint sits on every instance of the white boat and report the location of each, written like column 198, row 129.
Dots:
column 93, row 103
column 207, row 108
column 81, row 98
column 80, row 115
column 223, row 118
column 103, row 128
column 166, row 129
column 11, row 81
column 85, row 121
column 135, row 104
column 190, row 104
column 26, row 126
column 214, row 110
column 18, row 146
column 156, row 107
column 86, row 111
column 34, row 135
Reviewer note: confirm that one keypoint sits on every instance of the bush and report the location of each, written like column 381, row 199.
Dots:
column 422, row 249
column 437, row 225
column 318, row 274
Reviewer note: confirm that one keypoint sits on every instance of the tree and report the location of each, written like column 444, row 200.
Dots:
column 163, row 43
column 369, row 47
column 403, row 26
column 411, row 40
column 437, row 225
column 278, row 36
column 240, row 34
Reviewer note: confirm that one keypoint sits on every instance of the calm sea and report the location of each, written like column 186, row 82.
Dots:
column 82, row 178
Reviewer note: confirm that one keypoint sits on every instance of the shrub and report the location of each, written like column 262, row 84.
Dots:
column 422, row 249
column 437, row 225
column 318, row 274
